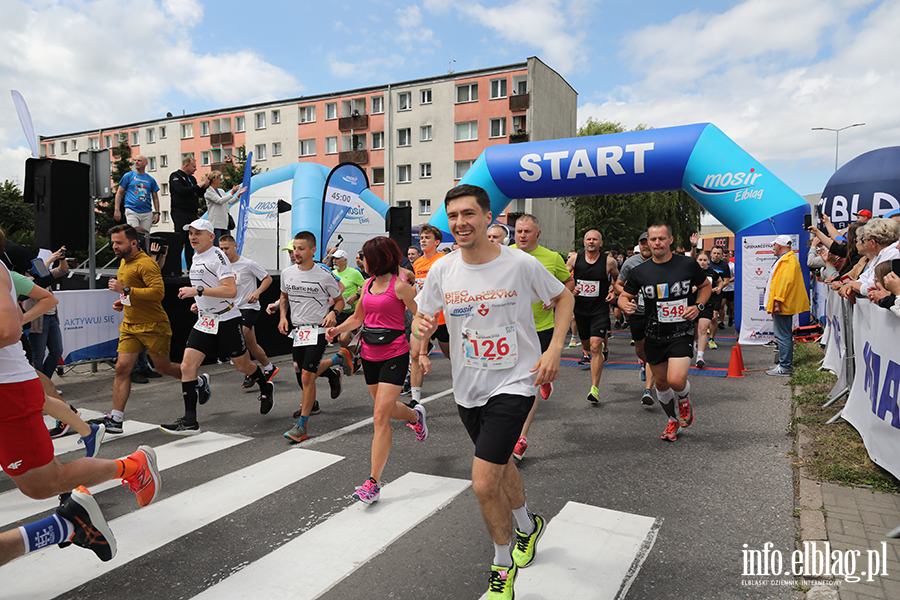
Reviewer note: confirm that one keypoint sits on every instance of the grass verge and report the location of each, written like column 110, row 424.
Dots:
column 837, row 453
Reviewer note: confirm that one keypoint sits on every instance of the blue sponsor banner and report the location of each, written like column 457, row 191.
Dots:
column 733, row 185
column 342, row 189
column 244, row 212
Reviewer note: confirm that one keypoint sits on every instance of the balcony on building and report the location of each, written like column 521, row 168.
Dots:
column 518, row 137
column 519, row 102
column 359, row 121
column 221, row 139
column 359, row 157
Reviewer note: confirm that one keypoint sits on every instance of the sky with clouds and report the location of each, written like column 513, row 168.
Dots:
column 764, row 71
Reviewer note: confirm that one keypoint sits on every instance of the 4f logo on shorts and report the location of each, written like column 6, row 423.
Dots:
column 483, row 310
column 14, row 466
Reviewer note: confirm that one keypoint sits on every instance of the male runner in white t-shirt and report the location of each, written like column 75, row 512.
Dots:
column 486, row 292
column 217, row 331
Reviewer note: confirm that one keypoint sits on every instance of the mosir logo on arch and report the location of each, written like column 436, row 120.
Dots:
column 739, row 184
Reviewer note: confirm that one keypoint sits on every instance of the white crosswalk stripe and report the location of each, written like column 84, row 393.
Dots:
column 69, row 443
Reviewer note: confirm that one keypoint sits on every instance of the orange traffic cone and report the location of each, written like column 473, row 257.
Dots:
column 736, row 364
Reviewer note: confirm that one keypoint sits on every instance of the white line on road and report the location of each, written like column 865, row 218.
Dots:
column 46, row 574
column 69, row 443
column 404, row 504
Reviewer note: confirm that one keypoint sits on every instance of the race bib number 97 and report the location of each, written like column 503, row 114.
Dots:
column 672, row 311
column 306, row 335
column 494, row 348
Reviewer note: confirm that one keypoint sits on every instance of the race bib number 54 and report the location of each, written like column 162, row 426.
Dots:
column 494, row 348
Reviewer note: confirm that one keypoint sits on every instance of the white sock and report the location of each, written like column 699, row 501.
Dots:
column 416, row 393
column 117, row 415
column 524, row 519
column 503, row 555
column 685, row 392
column 269, row 369
column 699, row 354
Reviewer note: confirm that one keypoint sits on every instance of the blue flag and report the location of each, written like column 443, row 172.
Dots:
column 342, row 189
column 244, row 212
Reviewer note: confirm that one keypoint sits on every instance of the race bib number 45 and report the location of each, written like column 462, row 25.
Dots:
column 207, row 324
column 672, row 311
column 494, row 348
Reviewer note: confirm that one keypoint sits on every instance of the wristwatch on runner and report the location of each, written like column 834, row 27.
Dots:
column 200, row 289
column 700, row 307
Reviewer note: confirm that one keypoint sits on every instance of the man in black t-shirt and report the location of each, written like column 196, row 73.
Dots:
column 671, row 308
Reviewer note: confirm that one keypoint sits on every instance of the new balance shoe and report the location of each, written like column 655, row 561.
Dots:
column 91, row 529
column 266, row 398
column 647, row 398
column 112, row 426
column 712, row 345
column 347, row 363
column 673, row 430
column 146, row 483
column 181, row 427
column 297, row 433
column 420, row 427
column 204, row 393
column 335, row 384
column 368, row 492
column 93, row 440
column 270, row 375
column 521, row 447
column 60, row 429
column 500, row 584
column 546, row 390
column 248, row 384
column 778, row 370
column 594, row 395
column 525, row 548
column 685, row 412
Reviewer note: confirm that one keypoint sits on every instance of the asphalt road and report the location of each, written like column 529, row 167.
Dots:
column 725, row 483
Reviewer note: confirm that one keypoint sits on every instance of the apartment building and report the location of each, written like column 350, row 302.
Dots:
column 415, row 139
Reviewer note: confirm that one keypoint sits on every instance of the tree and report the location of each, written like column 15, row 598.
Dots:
column 16, row 217
column 104, row 209
column 233, row 173
column 623, row 217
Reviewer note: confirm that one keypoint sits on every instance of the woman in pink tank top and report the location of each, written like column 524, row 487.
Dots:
column 385, row 352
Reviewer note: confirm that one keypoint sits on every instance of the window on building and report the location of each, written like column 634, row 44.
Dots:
column 187, row 130
column 377, row 140
column 517, row 206
column 404, row 137
column 467, row 131
column 404, row 203
column 467, row 92
column 276, row 117
column 331, row 146
column 424, row 170
column 424, row 207
column 135, row 139
column 377, row 104
column 498, row 88
column 151, row 136
column 357, row 141
column 425, row 96
column 164, row 189
column 64, row 147
column 307, row 114
column 43, row 153
column 404, row 101
column 162, row 132
column 107, row 141
column 331, row 111
column 425, row 133
column 260, row 153
column 204, row 128
column 276, row 148
column 498, row 127
column 307, row 147
column 204, row 158
column 518, row 124
column 461, row 167
column 74, row 145
column 239, row 124
column 216, row 155
column 522, row 86
column 165, row 214
column 94, row 143
column 185, row 155
column 259, row 120
column 163, row 161
column 151, row 163
column 377, row 175
column 51, row 149
column 404, row 173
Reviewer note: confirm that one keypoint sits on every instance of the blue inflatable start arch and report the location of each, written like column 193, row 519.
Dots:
column 699, row 159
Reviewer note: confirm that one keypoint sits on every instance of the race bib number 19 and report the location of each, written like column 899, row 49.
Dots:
column 207, row 324
column 491, row 348
column 307, row 335
column 672, row 311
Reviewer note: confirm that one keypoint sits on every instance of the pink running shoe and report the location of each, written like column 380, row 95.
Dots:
column 368, row 492
column 420, row 427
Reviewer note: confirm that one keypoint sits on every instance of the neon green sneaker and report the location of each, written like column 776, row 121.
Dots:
column 712, row 345
column 500, row 586
column 526, row 545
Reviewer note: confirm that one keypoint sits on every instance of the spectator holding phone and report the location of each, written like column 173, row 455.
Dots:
column 879, row 243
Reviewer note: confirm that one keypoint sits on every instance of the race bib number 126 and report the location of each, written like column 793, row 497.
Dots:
column 494, row 348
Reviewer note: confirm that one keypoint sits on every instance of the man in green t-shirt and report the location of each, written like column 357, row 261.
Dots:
column 527, row 233
column 353, row 282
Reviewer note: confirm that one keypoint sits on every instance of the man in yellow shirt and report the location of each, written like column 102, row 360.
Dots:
column 786, row 296
column 140, row 287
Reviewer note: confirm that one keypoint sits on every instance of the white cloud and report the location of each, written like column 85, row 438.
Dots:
column 550, row 25
column 376, row 68
column 85, row 64
column 411, row 32
column 766, row 77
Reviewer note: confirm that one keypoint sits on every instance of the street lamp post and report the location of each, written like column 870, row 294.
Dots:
column 837, row 138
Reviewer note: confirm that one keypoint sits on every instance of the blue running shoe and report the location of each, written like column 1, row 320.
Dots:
column 92, row 441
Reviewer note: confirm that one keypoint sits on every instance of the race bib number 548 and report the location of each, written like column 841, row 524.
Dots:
column 494, row 348
column 672, row 311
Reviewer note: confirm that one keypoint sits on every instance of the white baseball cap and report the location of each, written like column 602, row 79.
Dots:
column 783, row 240
column 202, row 224
column 340, row 254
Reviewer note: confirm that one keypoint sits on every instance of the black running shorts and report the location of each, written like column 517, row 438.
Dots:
column 392, row 370
column 229, row 342
column 309, row 357
column 589, row 326
column 659, row 351
column 496, row 426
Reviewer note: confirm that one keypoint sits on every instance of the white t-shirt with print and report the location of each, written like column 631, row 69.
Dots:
column 247, row 274
column 480, row 302
column 309, row 292
column 209, row 269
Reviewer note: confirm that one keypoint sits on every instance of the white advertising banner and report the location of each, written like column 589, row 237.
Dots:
column 758, row 257
column 89, row 325
column 834, row 348
column 872, row 406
